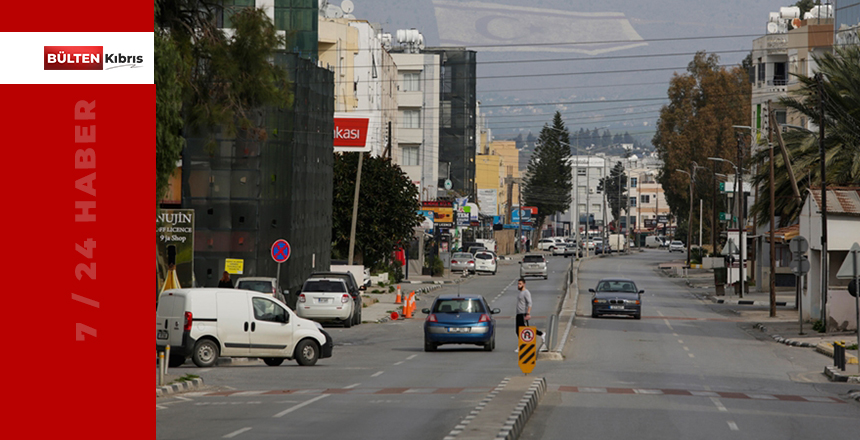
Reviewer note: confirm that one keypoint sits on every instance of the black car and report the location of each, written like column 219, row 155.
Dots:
column 616, row 296
column 351, row 286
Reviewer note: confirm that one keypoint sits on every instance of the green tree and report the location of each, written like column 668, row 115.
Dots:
column 615, row 190
column 841, row 137
column 387, row 213
column 696, row 124
column 168, row 109
column 549, row 181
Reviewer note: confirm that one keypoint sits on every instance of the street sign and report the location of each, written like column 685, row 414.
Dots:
column 799, row 267
column 724, row 216
column 798, row 245
column 234, row 266
column 722, row 186
column 851, row 267
column 527, row 351
column 281, row 251
column 448, row 184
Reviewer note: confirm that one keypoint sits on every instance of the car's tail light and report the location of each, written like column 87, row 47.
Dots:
column 432, row 318
column 471, row 261
column 484, row 318
column 189, row 319
column 302, row 298
column 454, row 261
column 345, row 298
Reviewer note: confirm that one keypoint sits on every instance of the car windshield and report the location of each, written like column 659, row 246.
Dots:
column 533, row 259
column 616, row 286
column 459, row 305
column 677, row 243
column 461, row 256
column 256, row 286
column 484, row 256
column 324, row 286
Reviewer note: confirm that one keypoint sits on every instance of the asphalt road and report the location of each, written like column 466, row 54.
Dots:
column 686, row 370
column 379, row 383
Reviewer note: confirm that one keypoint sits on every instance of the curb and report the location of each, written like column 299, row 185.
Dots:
column 826, row 349
column 474, row 413
column 431, row 288
column 785, row 341
column 187, row 385
column 836, row 375
column 854, row 394
column 521, row 414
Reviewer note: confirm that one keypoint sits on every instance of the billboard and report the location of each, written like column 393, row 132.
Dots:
column 488, row 201
column 443, row 212
column 174, row 240
column 355, row 132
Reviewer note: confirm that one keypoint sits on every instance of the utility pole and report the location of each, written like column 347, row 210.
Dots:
column 627, row 225
column 693, row 165
column 714, row 225
column 741, row 206
column 824, row 270
column 587, row 199
column 355, row 209
column 772, row 218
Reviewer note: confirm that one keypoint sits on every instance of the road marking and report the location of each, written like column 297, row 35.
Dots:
column 687, row 348
column 301, row 405
column 412, row 357
column 681, row 341
column 691, row 355
column 668, row 325
column 203, row 370
column 733, row 426
column 377, row 374
column 398, row 363
column 158, row 407
column 719, row 404
column 183, row 398
column 237, row 432
column 352, row 386
column 675, row 335
column 660, row 313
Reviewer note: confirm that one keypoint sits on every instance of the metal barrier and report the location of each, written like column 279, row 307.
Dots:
column 839, row 355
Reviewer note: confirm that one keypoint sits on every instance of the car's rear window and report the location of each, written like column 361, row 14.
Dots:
column 459, row 305
column 324, row 286
column 256, row 286
column 484, row 257
column 533, row 259
column 462, row 255
column 616, row 286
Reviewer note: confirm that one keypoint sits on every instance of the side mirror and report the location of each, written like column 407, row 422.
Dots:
column 425, row 311
column 591, row 290
column 641, row 292
column 495, row 311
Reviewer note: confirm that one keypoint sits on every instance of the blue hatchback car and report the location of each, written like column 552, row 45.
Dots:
column 460, row 319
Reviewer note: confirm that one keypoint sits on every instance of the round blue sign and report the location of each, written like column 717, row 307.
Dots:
column 281, row 251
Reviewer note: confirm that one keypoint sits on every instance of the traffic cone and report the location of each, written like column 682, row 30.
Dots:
column 397, row 298
column 407, row 311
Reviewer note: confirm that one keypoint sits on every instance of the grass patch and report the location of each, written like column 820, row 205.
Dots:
column 186, row 378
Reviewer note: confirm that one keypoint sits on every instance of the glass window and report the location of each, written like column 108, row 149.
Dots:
column 327, row 286
column 267, row 310
column 633, row 202
column 460, row 305
column 645, row 198
column 410, row 155
column 634, row 181
column 410, row 82
column 410, row 119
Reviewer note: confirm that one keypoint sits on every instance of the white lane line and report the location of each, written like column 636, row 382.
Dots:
column 237, row 432
column 733, row 426
column 158, row 407
column 675, row 335
column 680, row 341
column 691, row 355
column 351, row 386
column 301, row 405
column 377, row 374
column 412, row 357
column 719, row 404
column 660, row 313
column 686, row 349
column 398, row 363
column 668, row 325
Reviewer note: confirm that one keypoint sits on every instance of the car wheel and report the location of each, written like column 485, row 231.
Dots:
column 273, row 362
column 205, row 353
column 347, row 323
column 429, row 346
column 494, row 272
column 637, row 316
column 307, row 353
column 175, row 361
column 546, row 277
column 490, row 345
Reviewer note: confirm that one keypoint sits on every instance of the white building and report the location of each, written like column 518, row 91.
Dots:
column 375, row 84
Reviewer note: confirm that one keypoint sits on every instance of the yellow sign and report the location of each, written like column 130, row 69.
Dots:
column 527, row 351
column 234, row 266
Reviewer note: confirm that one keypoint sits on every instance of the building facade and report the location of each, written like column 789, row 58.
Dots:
column 847, row 22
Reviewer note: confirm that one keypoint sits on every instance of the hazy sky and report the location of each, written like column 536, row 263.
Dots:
column 573, row 55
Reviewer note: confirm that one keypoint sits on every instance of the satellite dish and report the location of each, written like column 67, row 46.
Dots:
column 421, row 41
column 349, row 16
column 772, row 28
column 332, row 11
column 796, row 23
column 347, row 6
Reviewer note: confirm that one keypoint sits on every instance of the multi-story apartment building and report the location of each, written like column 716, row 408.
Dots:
column 847, row 22
column 510, row 168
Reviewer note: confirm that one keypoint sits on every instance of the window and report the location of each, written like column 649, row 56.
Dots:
column 581, row 171
column 645, row 199
column 634, row 181
column 410, row 155
column 595, row 207
column 410, row 119
column 410, row 82
column 267, row 310
column 633, row 202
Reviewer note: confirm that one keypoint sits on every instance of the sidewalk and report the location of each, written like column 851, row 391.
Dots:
column 784, row 328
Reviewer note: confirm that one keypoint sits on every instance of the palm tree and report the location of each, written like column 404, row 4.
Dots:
column 841, row 91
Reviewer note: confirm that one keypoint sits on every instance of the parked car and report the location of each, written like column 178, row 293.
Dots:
column 678, row 246
column 559, row 249
column 463, row 262
column 351, row 286
column 485, row 262
column 460, row 319
column 265, row 285
column 600, row 248
column 546, row 244
column 616, row 296
column 208, row 323
column 572, row 249
column 326, row 300
column 533, row 265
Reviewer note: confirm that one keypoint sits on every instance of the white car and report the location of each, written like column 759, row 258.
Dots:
column 559, row 249
column 326, row 299
column 546, row 244
column 485, row 262
column 676, row 245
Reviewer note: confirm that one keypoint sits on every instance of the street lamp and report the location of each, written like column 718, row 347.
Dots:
column 692, row 177
column 741, row 229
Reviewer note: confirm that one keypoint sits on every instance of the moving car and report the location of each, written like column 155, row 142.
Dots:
column 616, row 296
column 676, row 245
column 475, row 249
column 460, row 319
column 326, row 299
column 559, row 249
column 533, row 265
column 653, row 241
column 352, row 288
column 208, row 323
column 485, row 262
column 546, row 244
column 463, row 262
column 572, row 249
column 265, row 285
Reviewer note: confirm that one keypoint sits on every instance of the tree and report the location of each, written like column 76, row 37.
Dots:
column 388, row 208
column 168, row 109
column 696, row 124
column 841, row 137
column 549, row 181
column 616, row 192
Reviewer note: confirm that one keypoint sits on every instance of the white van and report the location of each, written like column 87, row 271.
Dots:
column 208, row 323
column 653, row 241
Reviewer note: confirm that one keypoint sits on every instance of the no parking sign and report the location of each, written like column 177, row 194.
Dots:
column 281, row 251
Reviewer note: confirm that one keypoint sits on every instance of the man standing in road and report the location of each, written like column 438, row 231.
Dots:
column 524, row 306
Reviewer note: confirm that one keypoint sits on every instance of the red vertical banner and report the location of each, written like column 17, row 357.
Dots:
column 78, row 128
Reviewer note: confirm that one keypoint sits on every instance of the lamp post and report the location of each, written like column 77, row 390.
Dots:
column 738, row 197
column 692, row 176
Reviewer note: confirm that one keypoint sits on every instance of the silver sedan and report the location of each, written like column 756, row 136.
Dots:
column 463, row 262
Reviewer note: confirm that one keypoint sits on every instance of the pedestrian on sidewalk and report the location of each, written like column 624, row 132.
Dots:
column 528, row 245
column 225, row 281
column 524, row 307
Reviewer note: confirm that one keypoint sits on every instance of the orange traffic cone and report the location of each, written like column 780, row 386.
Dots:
column 397, row 299
column 412, row 302
column 407, row 311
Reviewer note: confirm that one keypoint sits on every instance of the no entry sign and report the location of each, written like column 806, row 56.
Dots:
column 281, row 251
